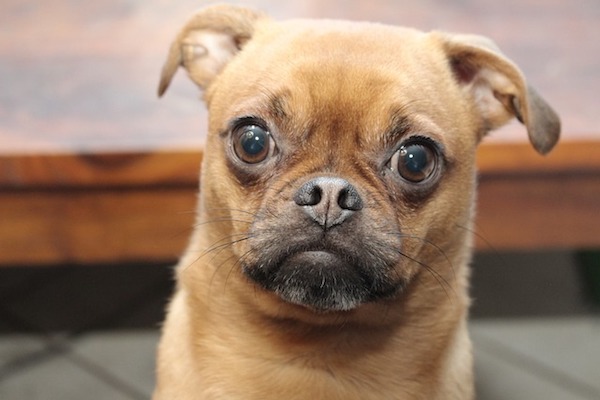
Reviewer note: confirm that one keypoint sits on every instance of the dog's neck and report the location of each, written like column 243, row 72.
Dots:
column 349, row 349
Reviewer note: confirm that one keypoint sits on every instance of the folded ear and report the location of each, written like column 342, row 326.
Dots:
column 207, row 42
column 499, row 89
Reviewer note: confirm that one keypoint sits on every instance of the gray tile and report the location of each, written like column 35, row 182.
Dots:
column 129, row 355
column 564, row 348
column 17, row 347
column 563, row 345
column 497, row 379
column 57, row 378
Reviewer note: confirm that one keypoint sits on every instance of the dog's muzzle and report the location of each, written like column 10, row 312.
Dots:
column 322, row 250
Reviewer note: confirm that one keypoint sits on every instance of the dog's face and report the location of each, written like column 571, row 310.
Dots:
column 337, row 158
column 339, row 164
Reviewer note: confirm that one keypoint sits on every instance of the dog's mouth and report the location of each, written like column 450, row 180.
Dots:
column 324, row 280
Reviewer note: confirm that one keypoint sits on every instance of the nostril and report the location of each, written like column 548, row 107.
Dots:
column 310, row 194
column 349, row 199
column 334, row 190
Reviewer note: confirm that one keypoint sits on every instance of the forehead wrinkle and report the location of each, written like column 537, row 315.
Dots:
column 398, row 125
column 277, row 105
column 338, row 108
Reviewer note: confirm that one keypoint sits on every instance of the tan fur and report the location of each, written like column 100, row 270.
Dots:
column 329, row 91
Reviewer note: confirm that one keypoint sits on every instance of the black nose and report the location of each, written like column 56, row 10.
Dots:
column 328, row 201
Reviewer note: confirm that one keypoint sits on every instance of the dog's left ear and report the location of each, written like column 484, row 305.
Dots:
column 498, row 88
column 207, row 42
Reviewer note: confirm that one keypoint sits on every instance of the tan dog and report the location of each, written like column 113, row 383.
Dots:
column 330, row 259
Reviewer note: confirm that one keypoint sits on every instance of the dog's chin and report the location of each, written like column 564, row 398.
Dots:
column 321, row 281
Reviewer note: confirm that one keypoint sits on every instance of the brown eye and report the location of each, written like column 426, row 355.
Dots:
column 252, row 143
column 415, row 161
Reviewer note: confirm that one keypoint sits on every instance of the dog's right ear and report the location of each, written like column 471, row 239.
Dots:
column 499, row 90
column 207, row 42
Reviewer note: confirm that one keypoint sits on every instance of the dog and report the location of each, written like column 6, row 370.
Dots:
column 330, row 256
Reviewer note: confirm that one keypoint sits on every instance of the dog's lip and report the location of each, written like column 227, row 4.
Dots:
column 321, row 256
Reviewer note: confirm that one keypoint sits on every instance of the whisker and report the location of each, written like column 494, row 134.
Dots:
column 444, row 284
column 489, row 245
column 223, row 219
column 218, row 248
column 432, row 244
column 227, row 260
column 187, row 231
column 237, row 263
column 479, row 236
column 228, row 209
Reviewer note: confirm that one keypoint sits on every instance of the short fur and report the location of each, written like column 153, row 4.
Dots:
column 281, row 295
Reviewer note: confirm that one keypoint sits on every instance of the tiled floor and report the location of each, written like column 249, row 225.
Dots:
column 98, row 341
column 545, row 359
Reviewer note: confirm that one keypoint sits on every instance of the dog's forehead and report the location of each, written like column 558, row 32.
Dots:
column 330, row 47
column 327, row 34
column 338, row 73
column 315, row 51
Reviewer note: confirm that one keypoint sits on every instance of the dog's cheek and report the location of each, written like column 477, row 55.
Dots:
column 444, row 222
column 226, row 209
column 431, row 220
column 273, row 222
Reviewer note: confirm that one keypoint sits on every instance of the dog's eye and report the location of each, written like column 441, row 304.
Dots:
column 415, row 161
column 251, row 143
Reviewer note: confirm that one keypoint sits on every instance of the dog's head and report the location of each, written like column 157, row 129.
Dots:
column 340, row 159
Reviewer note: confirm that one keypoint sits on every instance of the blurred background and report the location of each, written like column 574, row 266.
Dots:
column 98, row 182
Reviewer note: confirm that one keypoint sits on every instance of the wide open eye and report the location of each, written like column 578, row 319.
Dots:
column 416, row 160
column 252, row 143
